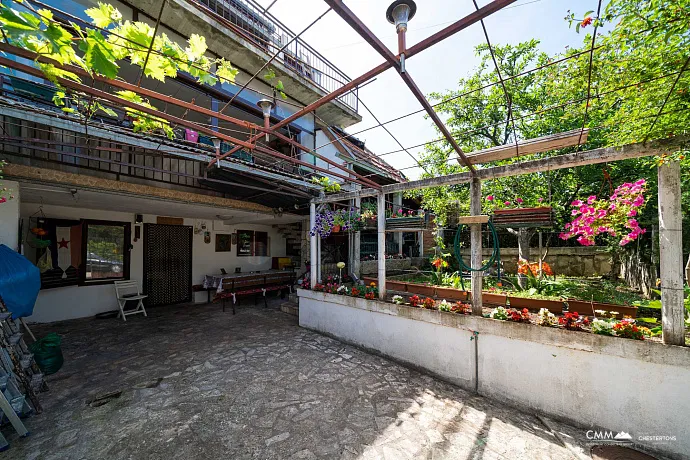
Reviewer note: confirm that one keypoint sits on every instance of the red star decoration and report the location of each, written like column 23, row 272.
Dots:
column 62, row 244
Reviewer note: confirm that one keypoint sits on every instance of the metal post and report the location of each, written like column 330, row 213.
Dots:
column 381, row 199
column 314, row 255
column 357, row 245
column 671, row 255
column 476, row 246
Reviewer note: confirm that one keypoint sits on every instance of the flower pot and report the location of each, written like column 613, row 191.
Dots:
column 451, row 293
column 335, row 229
column 554, row 306
column 494, row 299
column 421, row 289
column 416, row 222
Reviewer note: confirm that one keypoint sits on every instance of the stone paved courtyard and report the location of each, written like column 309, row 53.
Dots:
column 201, row 384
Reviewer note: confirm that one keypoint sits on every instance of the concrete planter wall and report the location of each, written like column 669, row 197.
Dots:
column 590, row 380
column 371, row 267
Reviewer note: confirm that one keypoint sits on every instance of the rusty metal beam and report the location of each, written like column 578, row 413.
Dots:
column 348, row 16
column 173, row 101
column 454, row 28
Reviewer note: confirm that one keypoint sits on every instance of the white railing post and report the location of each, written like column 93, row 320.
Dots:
column 476, row 247
column 671, row 255
column 314, row 254
column 357, row 244
column 381, row 200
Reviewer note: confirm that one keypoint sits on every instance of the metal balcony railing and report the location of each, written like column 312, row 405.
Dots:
column 262, row 28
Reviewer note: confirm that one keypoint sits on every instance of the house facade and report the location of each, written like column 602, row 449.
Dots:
column 93, row 202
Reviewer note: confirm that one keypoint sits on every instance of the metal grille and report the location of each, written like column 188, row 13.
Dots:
column 167, row 264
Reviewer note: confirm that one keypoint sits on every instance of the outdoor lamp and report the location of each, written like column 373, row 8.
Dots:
column 399, row 13
column 266, row 106
column 216, row 145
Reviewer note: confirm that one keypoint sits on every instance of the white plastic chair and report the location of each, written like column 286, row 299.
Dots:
column 129, row 290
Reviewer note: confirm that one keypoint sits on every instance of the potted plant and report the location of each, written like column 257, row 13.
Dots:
column 399, row 219
column 422, row 289
column 554, row 306
column 451, row 293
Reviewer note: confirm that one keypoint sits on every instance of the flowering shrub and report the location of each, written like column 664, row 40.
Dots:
column 369, row 296
column 615, row 216
column 326, row 220
column 499, row 313
column 428, row 303
column 355, row 292
column 461, row 308
column 573, row 321
column 342, row 290
column 519, row 316
column 318, row 287
column 493, row 202
column 606, row 314
column 371, row 292
column 331, row 288
column 444, row 306
column 524, row 268
column 398, row 300
column 602, row 327
column 391, row 213
column 415, row 301
column 627, row 328
column 546, row 318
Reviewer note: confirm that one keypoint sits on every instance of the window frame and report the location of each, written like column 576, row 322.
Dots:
column 253, row 244
column 127, row 251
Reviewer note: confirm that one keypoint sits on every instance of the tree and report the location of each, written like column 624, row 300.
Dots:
column 633, row 68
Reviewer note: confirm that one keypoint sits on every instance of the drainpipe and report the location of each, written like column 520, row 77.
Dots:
column 475, row 338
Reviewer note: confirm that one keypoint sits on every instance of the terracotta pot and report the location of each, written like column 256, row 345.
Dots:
column 421, row 289
column 585, row 308
column 368, row 280
column 335, row 229
column 451, row 293
column 554, row 306
column 494, row 299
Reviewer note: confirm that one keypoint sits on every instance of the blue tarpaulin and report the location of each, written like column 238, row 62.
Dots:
column 20, row 281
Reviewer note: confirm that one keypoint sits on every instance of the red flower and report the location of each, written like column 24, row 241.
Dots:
column 586, row 21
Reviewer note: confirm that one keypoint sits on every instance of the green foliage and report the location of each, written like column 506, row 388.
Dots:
column 159, row 56
column 328, row 185
column 277, row 84
column 634, row 66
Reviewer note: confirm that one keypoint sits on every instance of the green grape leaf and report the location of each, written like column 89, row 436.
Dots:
column 226, row 72
column 197, row 46
column 14, row 21
column 98, row 54
column 104, row 15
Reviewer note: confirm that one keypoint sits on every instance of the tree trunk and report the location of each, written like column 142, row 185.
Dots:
column 687, row 271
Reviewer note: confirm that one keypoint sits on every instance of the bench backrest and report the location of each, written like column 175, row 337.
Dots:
column 257, row 281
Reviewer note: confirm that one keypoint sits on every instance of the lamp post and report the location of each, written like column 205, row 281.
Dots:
column 399, row 13
column 266, row 107
column 216, row 145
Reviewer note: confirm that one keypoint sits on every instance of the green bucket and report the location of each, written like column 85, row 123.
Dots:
column 47, row 353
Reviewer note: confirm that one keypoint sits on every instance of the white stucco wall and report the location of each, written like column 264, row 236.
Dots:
column 9, row 214
column 80, row 301
column 591, row 380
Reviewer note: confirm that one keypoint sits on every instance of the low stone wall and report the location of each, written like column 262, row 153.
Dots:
column 575, row 261
column 594, row 381
column 371, row 267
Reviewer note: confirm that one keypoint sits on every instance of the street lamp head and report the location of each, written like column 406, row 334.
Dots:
column 266, row 106
column 400, row 12
column 216, row 142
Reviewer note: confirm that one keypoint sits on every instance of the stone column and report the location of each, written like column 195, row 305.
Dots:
column 476, row 246
column 381, row 200
column 313, row 249
column 671, row 255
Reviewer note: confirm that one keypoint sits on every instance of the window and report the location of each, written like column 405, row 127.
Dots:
column 251, row 243
column 105, row 251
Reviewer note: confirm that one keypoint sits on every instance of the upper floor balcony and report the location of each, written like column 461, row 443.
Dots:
column 243, row 32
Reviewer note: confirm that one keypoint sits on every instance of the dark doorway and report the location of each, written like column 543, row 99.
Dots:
column 167, row 264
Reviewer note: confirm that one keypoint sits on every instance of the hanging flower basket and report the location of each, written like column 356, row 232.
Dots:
column 523, row 217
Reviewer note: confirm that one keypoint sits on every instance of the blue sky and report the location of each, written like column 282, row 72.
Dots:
column 436, row 69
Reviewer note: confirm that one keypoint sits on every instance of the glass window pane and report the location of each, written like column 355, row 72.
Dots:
column 105, row 252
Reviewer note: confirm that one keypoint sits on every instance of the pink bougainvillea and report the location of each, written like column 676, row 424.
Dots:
column 613, row 216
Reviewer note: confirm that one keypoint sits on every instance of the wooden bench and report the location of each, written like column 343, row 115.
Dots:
column 255, row 284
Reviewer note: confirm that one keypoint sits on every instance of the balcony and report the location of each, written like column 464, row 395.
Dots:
column 268, row 33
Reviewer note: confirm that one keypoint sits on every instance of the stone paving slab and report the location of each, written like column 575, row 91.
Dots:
column 199, row 383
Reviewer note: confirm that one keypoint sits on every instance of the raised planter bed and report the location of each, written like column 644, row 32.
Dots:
column 494, row 299
column 415, row 222
column 587, row 308
column 421, row 289
column 554, row 306
column 523, row 217
column 451, row 294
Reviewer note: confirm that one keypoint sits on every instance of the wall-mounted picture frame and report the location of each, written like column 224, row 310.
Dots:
column 223, row 242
